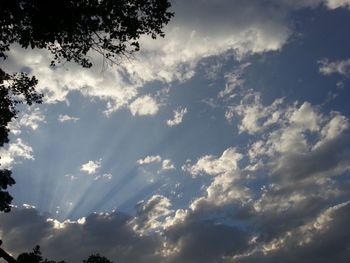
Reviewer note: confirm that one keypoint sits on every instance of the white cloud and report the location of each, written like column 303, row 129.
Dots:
column 151, row 213
column 177, row 218
column 14, row 152
column 211, row 165
column 145, row 105
column 341, row 67
column 150, row 159
column 306, row 117
column 333, row 129
column 333, row 4
column 255, row 116
column 28, row 206
column 167, row 164
column 91, row 167
column 109, row 85
column 179, row 113
column 30, row 119
column 301, row 145
column 64, row 118
column 223, row 190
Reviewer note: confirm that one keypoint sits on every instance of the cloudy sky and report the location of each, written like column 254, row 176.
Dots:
column 226, row 141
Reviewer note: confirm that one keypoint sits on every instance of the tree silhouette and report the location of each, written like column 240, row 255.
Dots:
column 36, row 257
column 14, row 89
column 32, row 257
column 69, row 29
column 96, row 258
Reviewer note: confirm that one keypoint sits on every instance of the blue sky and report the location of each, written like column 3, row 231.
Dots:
column 229, row 136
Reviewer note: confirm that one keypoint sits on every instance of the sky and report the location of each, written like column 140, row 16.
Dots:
column 225, row 141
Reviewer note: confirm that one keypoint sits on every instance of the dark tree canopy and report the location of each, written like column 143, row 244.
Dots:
column 96, row 258
column 14, row 89
column 69, row 29
column 34, row 257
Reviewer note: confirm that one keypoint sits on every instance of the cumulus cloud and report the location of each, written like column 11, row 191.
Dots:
column 288, row 144
column 179, row 113
column 306, row 242
column 145, row 105
column 144, row 237
column 298, row 155
column 213, row 166
column 150, row 159
column 225, row 187
column 14, row 153
column 222, row 191
column 150, row 213
column 341, row 67
column 57, row 83
column 255, row 116
column 165, row 164
column 91, row 167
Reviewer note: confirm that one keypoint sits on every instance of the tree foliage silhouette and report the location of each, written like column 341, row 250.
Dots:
column 96, row 258
column 69, row 29
column 14, row 89
column 34, row 257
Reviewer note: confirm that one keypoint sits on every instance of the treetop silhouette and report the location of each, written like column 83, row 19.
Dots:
column 71, row 28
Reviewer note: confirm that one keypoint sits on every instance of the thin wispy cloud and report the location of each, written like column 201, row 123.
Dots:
column 65, row 118
column 179, row 114
column 341, row 67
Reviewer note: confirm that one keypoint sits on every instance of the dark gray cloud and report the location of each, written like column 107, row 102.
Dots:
column 108, row 234
column 327, row 239
column 205, row 241
column 329, row 159
column 321, row 238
